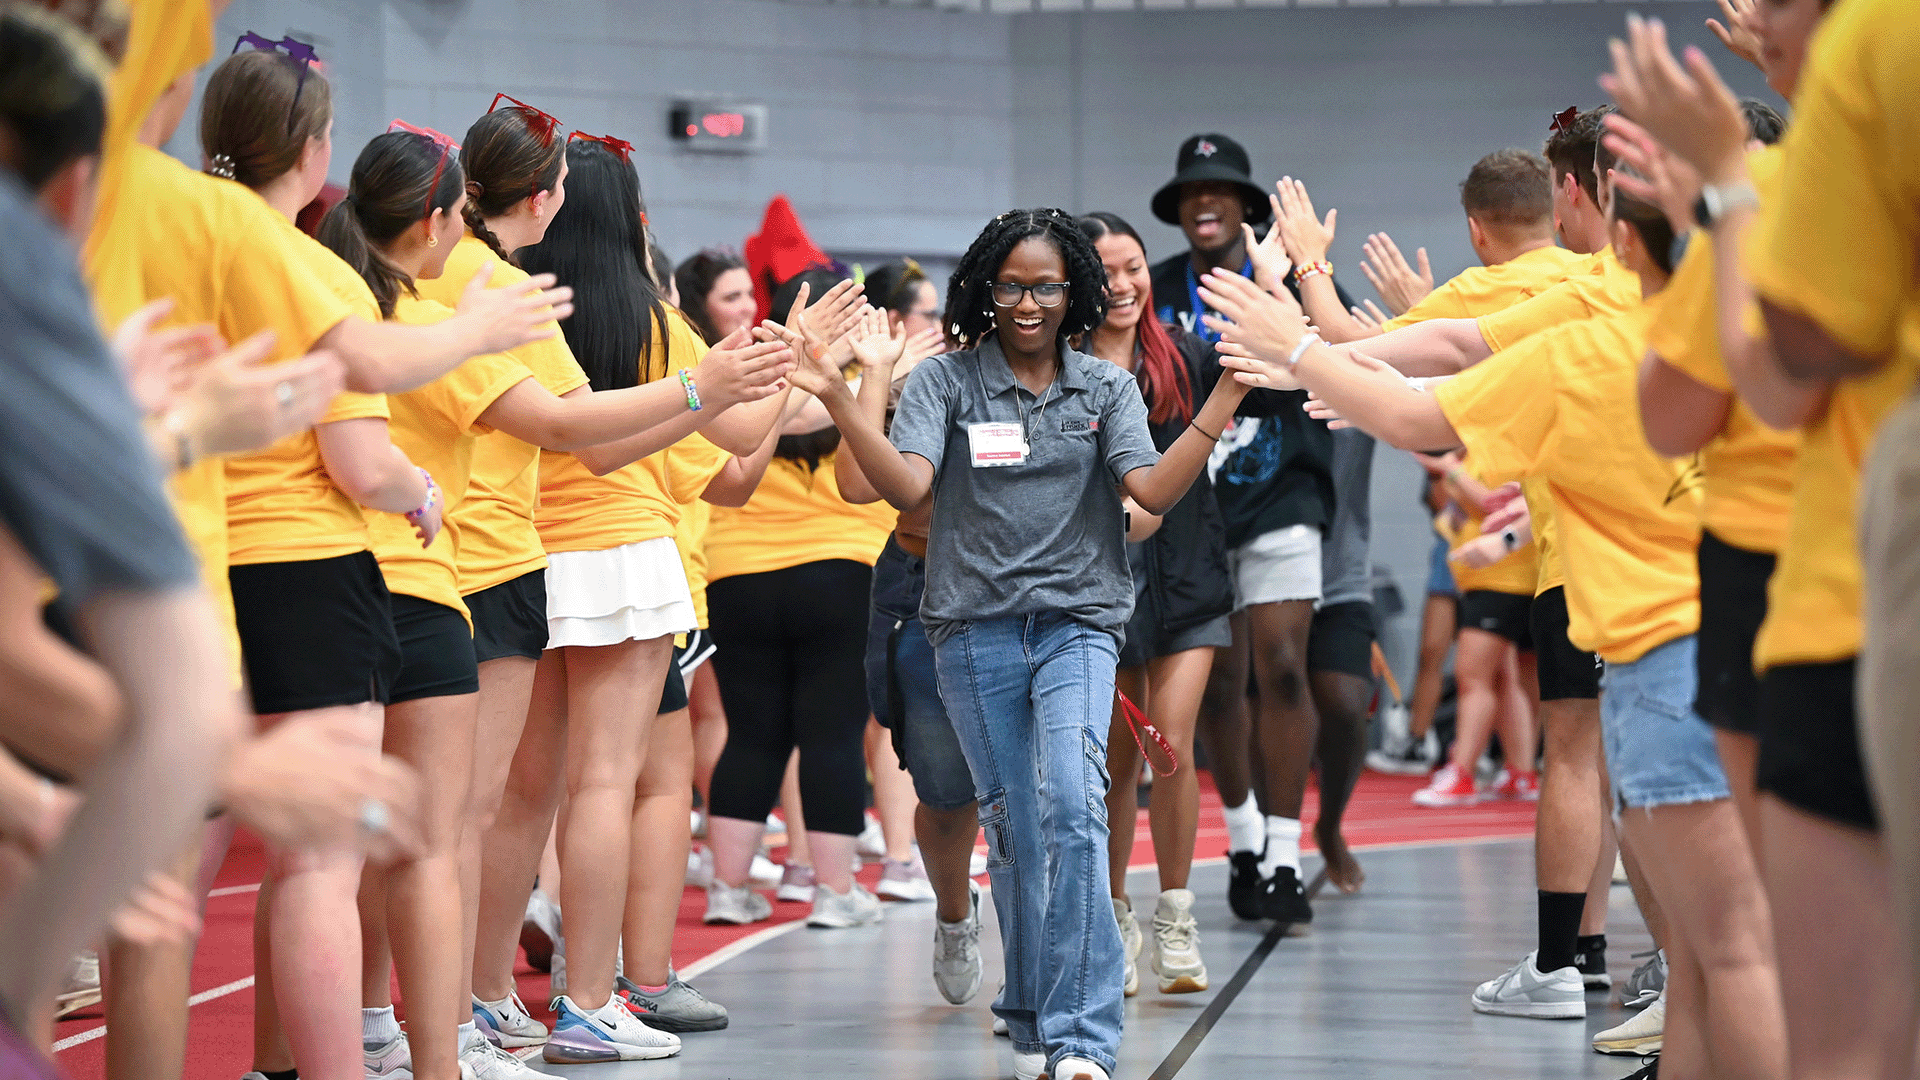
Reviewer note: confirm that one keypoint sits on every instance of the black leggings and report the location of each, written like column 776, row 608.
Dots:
column 791, row 663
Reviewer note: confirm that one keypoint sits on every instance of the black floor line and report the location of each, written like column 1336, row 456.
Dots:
column 1176, row 1058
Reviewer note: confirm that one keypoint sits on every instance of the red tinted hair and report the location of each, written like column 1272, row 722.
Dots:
column 1163, row 373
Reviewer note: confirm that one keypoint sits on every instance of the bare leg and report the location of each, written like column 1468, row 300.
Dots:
column 1479, row 668
column 1740, row 757
column 520, row 830
column 661, row 837
column 709, row 727
column 1567, row 839
column 1288, row 725
column 799, row 851
column 506, row 687
column 1123, row 767
column 1436, row 639
column 1514, row 716
column 946, row 845
column 1342, row 701
column 146, row 1001
column 376, row 947
column 613, row 692
column 734, row 842
column 1593, row 917
column 1225, row 725
column 893, row 797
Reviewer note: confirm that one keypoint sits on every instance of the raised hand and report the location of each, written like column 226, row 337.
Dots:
column 876, row 343
column 1307, row 237
column 1268, row 326
column 1690, row 110
column 826, row 321
column 815, row 370
column 1662, row 179
column 160, row 363
column 1400, row 285
column 1269, row 255
column 740, row 369
column 513, row 315
column 1738, row 33
column 1369, row 317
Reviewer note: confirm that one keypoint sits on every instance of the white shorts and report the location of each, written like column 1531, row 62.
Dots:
column 1280, row 565
column 636, row 592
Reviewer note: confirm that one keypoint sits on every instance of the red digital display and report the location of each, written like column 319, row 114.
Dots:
column 717, row 125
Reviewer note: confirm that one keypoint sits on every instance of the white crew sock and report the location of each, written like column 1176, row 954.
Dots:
column 1283, row 845
column 1243, row 825
column 468, row 1033
column 378, row 1026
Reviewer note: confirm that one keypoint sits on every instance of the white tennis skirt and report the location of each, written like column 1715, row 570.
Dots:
column 635, row 592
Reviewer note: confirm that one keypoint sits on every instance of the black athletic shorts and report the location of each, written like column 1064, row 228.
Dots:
column 436, row 651
column 1501, row 613
column 1810, row 743
column 1565, row 672
column 510, row 619
column 1342, row 639
column 315, row 633
column 673, row 696
column 1733, row 603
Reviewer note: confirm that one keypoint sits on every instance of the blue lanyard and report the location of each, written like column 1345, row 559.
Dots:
column 1198, row 308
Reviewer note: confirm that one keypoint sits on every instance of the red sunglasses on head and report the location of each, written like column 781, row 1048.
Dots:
column 621, row 147
column 539, row 122
column 447, row 148
column 1563, row 120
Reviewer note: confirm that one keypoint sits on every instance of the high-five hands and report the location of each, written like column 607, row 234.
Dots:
column 1256, row 327
column 1689, row 110
column 1307, row 236
column 1738, row 33
column 1400, row 285
column 740, row 369
column 1268, row 255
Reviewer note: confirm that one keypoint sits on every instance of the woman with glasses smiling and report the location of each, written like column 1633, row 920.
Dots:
column 1030, row 447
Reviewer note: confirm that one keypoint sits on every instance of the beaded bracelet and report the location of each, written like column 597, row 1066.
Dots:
column 1312, row 269
column 693, row 394
column 433, row 498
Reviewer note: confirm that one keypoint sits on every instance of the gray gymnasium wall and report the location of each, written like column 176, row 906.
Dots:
column 899, row 131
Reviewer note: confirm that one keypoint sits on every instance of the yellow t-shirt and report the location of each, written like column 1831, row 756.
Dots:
column 1482, row 290
column 1603, row 286
column 1564, row 405
column 498, row 541
column 165, row 39
column 693, row 463
column 1514, row 575
column 1748, row 466
column 438, row 426
column 795, row 517
column 579, row 511
column 1838, row 245
column 1548, row 571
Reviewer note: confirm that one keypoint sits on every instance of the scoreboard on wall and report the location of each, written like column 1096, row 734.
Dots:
column 715, row 125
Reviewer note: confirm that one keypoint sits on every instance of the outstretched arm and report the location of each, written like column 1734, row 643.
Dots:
column 1157, row 487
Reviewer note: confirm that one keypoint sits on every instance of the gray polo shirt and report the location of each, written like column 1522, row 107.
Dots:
column 1047, row 533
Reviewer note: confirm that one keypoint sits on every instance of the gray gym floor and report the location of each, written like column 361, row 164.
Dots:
column 1378, row 988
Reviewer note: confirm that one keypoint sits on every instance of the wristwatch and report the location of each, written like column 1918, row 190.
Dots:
column 1716, row 199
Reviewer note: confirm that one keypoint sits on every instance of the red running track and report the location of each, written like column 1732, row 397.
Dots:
column 219, row 1043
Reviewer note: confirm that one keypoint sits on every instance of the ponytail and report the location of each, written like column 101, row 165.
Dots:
column 510, row 154
column 477, row 222
column 342, row 231
column 400, row 177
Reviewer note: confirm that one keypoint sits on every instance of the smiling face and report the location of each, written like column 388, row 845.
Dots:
column 1026, row 328
column 1127, row 279
column 730, row 303
column 1211, row 214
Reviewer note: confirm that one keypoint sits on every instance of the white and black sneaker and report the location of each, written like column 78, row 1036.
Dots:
column 1525, row 990
column 1404, row 755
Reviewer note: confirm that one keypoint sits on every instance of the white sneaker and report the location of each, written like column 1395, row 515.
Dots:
column 1029, row 1066
column 837, row 911
column 905, row 879
column 1130, row 943
column 488, row 1062
column 1639, row 1035
column 506, row 1023
column 763, row 873
column 699, row 867
column 872, row 841
column 540, row 931
column 1647, row 982
column 609, row 1033
column 738, row 907
column 1000, row 1029
column 1527, row 991
column 1404, row 755
column 976, row 863
column 1073, row 1068
column 1176, row 945
column 393, row 1061
column 82, row 987
column 956, row 953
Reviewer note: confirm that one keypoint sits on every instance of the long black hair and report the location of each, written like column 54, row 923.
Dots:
column 969, row 316
column 807, row 449
column 696, row 278
column 598, row 244
column 392, row 188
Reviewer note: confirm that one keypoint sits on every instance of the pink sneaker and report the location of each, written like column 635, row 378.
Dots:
column 1448, row 787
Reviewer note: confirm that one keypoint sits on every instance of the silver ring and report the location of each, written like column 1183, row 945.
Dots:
column 374, row 816
column 283, row 393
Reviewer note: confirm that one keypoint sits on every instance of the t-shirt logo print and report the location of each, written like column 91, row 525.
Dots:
column 1206, row 149
column 1075, row 427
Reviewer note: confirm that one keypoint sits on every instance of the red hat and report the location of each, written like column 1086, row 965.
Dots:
column 777, row 252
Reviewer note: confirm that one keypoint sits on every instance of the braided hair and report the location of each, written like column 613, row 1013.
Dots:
column 969, row 315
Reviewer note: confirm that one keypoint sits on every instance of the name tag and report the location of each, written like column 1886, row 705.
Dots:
column 996, row 445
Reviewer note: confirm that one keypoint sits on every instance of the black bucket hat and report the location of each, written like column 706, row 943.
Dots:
column 1211, row 157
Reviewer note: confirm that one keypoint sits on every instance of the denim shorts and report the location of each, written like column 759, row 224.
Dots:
column 902, row 688
column 1659, row 751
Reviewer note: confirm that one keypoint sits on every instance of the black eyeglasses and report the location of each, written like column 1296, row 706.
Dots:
column 1046, row 294
column 298, row 51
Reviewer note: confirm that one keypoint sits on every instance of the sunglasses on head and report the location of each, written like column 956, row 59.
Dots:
column 541, row 123
column 1563, row 120
column 298, row 51
column 620, row 147
column 443, row 143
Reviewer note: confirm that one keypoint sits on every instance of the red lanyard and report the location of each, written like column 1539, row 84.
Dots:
column 1163, row 751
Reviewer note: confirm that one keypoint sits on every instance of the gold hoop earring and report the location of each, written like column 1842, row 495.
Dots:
column 433, row 241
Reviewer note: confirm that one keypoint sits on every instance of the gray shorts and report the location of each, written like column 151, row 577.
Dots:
column 1276, row 566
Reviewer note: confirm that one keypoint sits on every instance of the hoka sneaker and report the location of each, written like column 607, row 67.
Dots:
column 677, row 1008
column 726, row 904
column 905, row 879
column 1130, row 943
column 956, row 953
column 609, row 1033
column 1176, row 944
column 1449, row 787
column 1641, row 1034
column 485, row 1061
column 1527, row 991
column 1647, row 982
column 837, row 911
column 391, row 1061
column 796, row 885
column 506, row 1022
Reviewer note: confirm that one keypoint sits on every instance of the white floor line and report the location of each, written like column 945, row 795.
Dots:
column 729, row 951
column 200, row 998
column 234, row 890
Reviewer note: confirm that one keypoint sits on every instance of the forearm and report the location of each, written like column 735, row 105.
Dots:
column 736, row 483
column 884, row 467
column 1465, row 489
column 1435, row 347
column 388, row 358
column 1156, row 489
column 1379, row 403
column 583, row 420
column 62, row 709
column 147, row 793
column 875, row 385
column 389, row 482
column 739, row 429
column 1322, row 303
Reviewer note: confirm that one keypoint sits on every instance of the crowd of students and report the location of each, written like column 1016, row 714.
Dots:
column 427, row 530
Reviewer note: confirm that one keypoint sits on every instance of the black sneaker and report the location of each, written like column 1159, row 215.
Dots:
column 1243, row 884
column 1649, row 1071
column 1282, row 899
column 1592, row 963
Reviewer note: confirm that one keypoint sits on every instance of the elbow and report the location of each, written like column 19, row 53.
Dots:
column 599, row 463
column 1156, row 505
column 1669, row 440
column 733, row 442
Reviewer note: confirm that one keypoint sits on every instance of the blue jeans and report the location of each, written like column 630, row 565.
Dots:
column 901, row 679
column 1659, row 751
column 1031, row 697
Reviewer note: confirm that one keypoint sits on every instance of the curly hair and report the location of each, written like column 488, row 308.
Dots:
column 969, row 315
